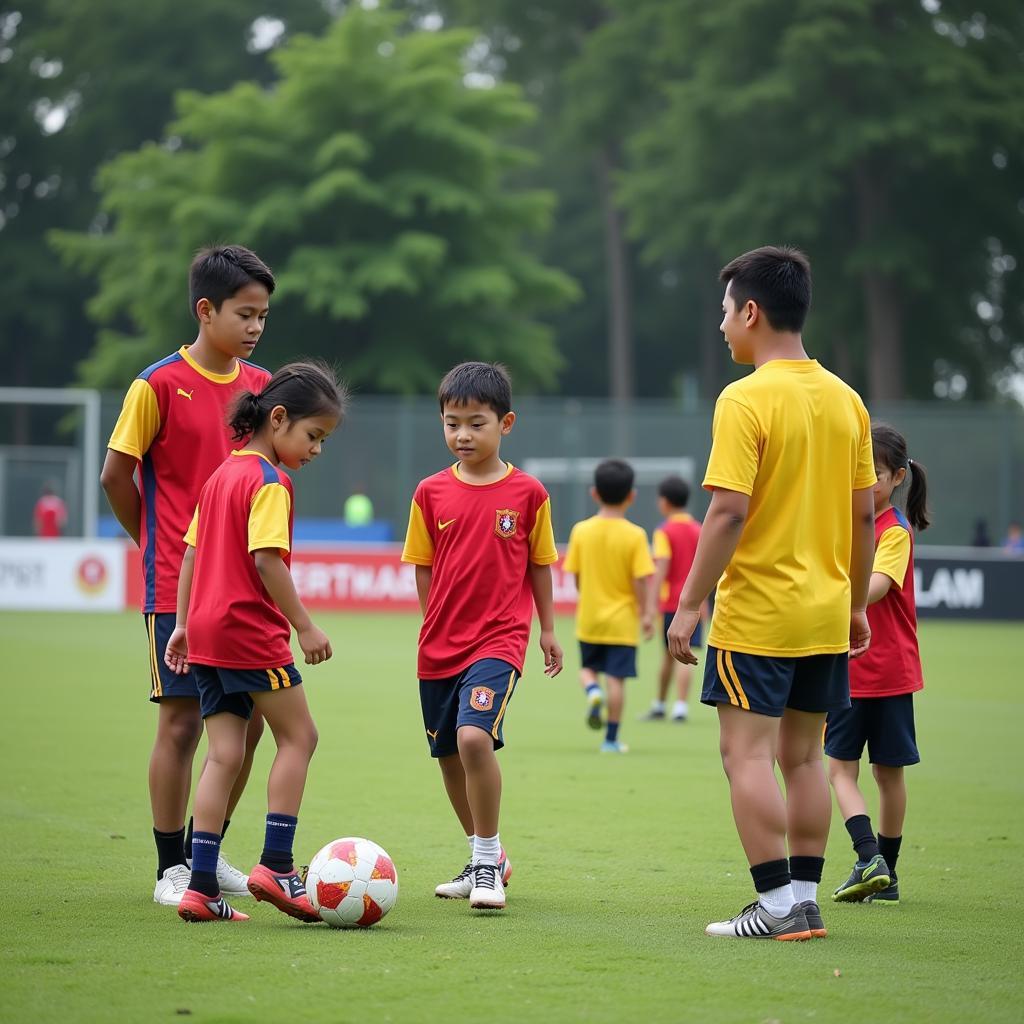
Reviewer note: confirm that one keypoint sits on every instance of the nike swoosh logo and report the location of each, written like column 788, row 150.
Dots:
column 444, row 526
column 185, row 394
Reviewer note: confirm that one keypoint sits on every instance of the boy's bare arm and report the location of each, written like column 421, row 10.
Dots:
column 424, row 575
column 862, row 557
column 117, row 478
column 543, row 598
column 644, row 589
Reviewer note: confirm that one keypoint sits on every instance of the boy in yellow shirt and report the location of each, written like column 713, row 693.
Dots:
column 612, row 564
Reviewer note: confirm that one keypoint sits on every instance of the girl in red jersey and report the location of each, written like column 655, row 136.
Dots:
column 882, row 682
column 236, row 607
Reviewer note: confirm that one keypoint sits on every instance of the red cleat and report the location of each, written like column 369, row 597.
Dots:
column 286, row 892
column 197, row 908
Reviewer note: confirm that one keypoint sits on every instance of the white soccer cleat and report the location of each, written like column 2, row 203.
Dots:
column 461, row 885
column 487, row 893
column 172, row 885
column 232, row 882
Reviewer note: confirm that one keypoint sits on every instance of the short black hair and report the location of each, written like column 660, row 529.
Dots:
column 777, row 278
column 613, row 480
column 486, row 383
column 675, row 490
column 221, row 271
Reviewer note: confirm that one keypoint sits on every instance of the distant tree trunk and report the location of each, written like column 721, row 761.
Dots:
column 710, row 340
column 881, row 295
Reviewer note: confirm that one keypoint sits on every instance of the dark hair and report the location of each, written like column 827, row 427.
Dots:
column 221, row 271
column 613, row 480
column 675, row 490
column 304, row 389
column 890, row 449
column 486, row 383
column 778, row 279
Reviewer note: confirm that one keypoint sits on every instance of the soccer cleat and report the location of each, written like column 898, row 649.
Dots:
column 595, row 704
column 614, row 747
column 172, row 885
column 652, row 715
column 487, row 893
column 814, row 921
column 231, row 881
column 679, row 716
column 284, row 891
column 461, row 885
column 754, row 922
column 889, row 895
column 197, row 908
column 866, row 878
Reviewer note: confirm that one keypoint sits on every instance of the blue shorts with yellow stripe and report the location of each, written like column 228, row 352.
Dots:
column 227, row 689
column 477, row 696
column 162, row 681
column 815, row 683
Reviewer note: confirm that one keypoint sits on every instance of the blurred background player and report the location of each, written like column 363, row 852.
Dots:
column 236, row 607
column 50, row 515
column 882, row 682
column 674, row 544
column 612, row 564
column 480, row 537
column 173, row 429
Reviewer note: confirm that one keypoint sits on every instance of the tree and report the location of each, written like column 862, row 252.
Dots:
column 372, row 179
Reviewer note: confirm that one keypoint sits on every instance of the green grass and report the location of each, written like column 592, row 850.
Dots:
column 619, row 862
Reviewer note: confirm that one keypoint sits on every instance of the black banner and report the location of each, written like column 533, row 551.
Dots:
column 968, row 583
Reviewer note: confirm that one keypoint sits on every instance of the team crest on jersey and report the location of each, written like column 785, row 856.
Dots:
column 482, row 698
column 505, row 522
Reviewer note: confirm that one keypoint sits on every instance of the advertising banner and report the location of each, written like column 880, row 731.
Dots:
column 62, row 575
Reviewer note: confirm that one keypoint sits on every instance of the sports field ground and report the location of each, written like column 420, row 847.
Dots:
column 619, row 861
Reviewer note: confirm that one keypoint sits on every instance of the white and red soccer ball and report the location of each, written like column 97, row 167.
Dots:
column 352, row 883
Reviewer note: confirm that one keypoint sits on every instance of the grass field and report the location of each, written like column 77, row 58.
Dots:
column 619, row 862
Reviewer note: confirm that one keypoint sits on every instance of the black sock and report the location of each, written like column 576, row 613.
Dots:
column 168, row 850
column 206, row 883
column 863, row 836
column 772, row 874
column 806, row 869
column 889, row 848
column 188, row 842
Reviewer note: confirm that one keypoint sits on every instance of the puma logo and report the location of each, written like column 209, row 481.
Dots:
column 444, row 526
column 185, row 394
column 432, row 735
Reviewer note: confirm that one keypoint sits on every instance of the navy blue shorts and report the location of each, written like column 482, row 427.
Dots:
column 816, row 683
column 696, row 638
column 885, row 724
column 227, row 689
column 478, row 696
column 617, row 660
column 162, row 681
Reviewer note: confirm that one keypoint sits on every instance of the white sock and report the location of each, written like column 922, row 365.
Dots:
column 472, row 843
column 804, row 891
column 680, row 708
column 485, row 851
column 778, row 902
column 659, row 706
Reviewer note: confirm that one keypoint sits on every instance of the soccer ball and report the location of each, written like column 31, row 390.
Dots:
column 352, row 883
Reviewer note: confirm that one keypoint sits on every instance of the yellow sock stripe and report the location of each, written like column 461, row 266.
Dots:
column 730, row 667
column 720, row 661
column 154, row 665
column 285, row 681
column 274, row 684
column 504, row 703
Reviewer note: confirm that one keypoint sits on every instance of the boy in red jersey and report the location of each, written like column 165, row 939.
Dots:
column 173, row 430
column 480, row 537
column 882, row 683
column 674, row 544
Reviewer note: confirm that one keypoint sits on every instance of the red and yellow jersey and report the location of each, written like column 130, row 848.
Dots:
column 232, row 621
column 479, row 541
column 50, row 516
column 174, row 421
column 676, row 539
column 892, row 663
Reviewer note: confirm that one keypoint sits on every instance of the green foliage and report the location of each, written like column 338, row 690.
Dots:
column 373, row 181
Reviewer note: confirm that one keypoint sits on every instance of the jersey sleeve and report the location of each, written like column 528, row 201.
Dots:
column 419, row 546
column 892, row 554
column 572, row 554
column 542, row 537
column 643, row 565
column 662, row 546
column 268, row 518
column 865, row 474
column 192, row 533
column 735, row 448
column 139, row 421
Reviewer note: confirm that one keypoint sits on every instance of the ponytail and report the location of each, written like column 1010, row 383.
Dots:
column 917, row 499
column 245, row 416
column 890, row 449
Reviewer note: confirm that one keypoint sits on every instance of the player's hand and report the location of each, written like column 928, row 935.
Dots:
column 552, row 653
column 860, row 632
column 647, row 626
column 176, row 652
column 679, row 633
column 315, row 645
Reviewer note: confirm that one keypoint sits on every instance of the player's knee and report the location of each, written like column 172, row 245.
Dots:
column 254, row 731
column 181, row 730
column 474, row 744
column 887, row 776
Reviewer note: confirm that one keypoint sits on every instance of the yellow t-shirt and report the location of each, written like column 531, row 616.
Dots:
column 797, row 440
column 607, row 555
